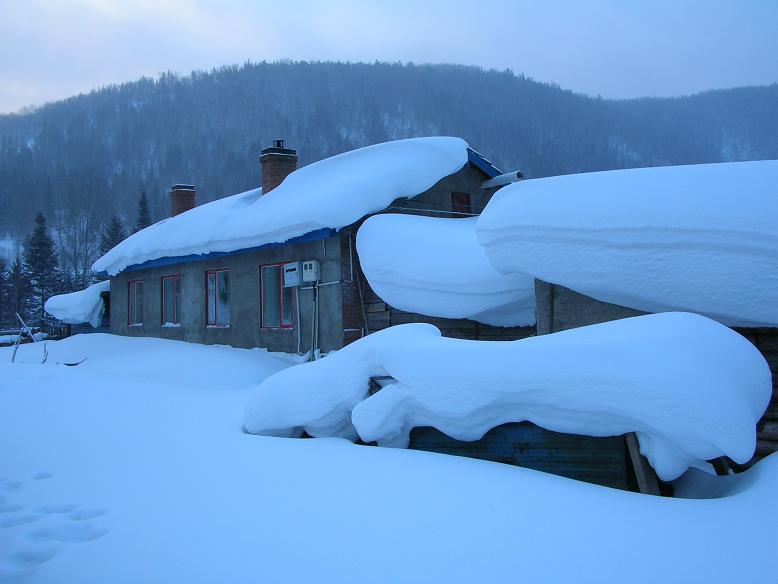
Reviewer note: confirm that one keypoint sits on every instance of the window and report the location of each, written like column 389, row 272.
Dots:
column 217, row 305
column 276, row 302
column 135, row 303
column 171, row 300
column 460, row 203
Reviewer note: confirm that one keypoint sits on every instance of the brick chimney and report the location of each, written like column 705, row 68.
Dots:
column 277, row 163
column 182, row 198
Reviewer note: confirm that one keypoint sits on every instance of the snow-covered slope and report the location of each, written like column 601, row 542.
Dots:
column 436, row 267
column 331, row 193
column 701, row 238
column 77, row 307
column 145, row 476
column 691, row 389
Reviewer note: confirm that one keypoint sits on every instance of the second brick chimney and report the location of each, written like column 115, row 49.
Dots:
column 277, row 163
column 182, row 198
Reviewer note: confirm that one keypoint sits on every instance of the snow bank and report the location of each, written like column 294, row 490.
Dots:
column 436, row 267
column 149, row 479
column 700, row 238
column 331, row 193
column 83, row 306
column 690, row 388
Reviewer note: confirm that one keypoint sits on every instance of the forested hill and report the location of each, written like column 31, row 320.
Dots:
column 99, row 151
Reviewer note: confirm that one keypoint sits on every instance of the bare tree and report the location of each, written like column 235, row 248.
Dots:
column 77, row 226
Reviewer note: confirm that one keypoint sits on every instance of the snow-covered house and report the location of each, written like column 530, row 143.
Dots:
column 277, row 267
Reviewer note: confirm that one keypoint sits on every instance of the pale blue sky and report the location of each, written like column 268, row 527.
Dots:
column 614, row 48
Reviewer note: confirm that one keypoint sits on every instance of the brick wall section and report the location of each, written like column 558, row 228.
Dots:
column 350, row 302
column 275, row 168
column 181, row 200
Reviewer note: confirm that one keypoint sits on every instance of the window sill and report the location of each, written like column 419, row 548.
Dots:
column 276, row 328
column 172, row 325
column 217, row 326
column 135, row 325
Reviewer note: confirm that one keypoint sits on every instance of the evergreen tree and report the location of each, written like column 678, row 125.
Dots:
column 4, row 293
column 19, row 297
column 144, row 218
column 113, row 234
column 41, row 267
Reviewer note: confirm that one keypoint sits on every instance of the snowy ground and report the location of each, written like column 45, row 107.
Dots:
column 132, row 467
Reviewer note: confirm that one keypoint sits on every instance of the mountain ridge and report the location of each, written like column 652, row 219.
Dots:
column 101, row 149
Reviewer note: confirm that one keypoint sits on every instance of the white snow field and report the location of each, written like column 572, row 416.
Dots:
column 132, row 467
column 700, row 238
column 435, row 266
column 331, row 193
column 691, row 388
column 83, row 306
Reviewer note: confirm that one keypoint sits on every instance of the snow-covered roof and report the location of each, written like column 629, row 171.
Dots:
column 77, row 307
column 699, row 238
column 435, row 266
column 329, row 194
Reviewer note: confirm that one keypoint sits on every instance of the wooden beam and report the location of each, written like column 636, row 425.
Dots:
column 646, row 476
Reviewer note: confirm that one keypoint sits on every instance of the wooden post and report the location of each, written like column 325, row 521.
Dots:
column 645, row 475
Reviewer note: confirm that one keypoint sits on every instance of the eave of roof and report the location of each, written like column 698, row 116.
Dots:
column 483, row 164
column 173, row 260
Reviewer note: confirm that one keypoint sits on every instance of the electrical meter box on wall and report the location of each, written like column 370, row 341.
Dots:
column 291, row 274
column 311, row 271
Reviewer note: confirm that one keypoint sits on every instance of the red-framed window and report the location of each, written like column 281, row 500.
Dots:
column 217, row 298
column 171, row 300
column 276, row 303
column 135, row 302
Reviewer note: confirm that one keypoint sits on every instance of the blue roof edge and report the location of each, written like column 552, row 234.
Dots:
column 185, row 259
column 483, row 164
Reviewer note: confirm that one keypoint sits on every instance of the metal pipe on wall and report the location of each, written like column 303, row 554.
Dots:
column 299, row 324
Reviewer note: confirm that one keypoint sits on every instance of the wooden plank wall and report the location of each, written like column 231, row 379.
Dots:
column 601, row 461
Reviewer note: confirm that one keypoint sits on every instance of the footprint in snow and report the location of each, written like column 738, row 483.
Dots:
column 86, row 514
column 24, row 559
column 12, row 520
column 6, row 507
column 70, row 532
column 9, row 486
column 54, row 509
column 9, row 507
column 63, row 523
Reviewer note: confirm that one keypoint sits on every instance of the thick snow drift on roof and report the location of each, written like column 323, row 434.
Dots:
column 436, row 267
column 690, row 388
column 77, row 307
column 317, row 397
column 331, row 193
column 701, row 238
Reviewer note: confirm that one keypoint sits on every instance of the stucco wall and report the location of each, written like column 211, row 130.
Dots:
column 244, row 330
column 436, row 202
column 559, row 308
